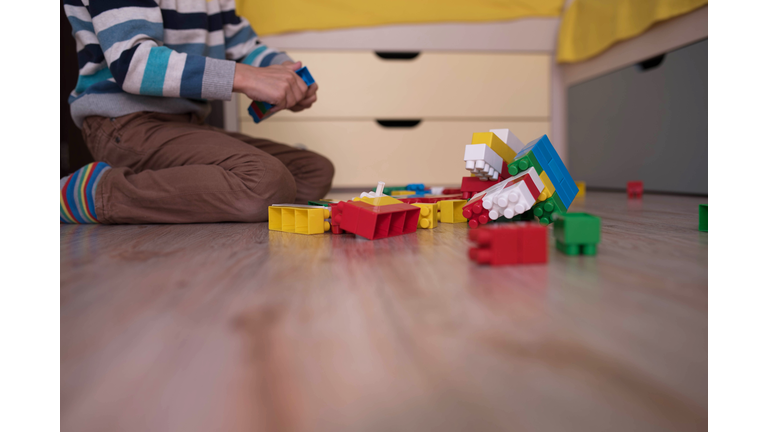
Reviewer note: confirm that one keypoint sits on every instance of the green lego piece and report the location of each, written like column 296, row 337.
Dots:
column 577, row 233
column 522, row 164
column 322, row 202
column 388, row 189
column 703, row 218
column 544, row 209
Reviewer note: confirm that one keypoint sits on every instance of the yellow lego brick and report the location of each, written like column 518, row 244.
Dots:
column 299, row 220
column 582, row 189
column 549, row 188
column 450, row 211
column 404, row 192
column 496, row 144
column 379, row 201
column 428, row 215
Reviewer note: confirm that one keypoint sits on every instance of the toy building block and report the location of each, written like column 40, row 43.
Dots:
column 540, row 154
column 703, row 218
column 505, row 244
column 509, row 139
column 431, row 199
column 582, row 189
column 398, row 193
column 436, row 190
column 472, row 185
column 483, row 162
column 451, row 191
column 635, row 189
column 335, row 227
column 416, row 187
column 376, row 222
column 428, row 216
column 374, row 193
column 322, row 202
column 545, row 209
column 475, row 214
column 299, row 219
column 577, row 233
column 508, row 198
column 258, row 110
column 450, row 211
column 496, row 144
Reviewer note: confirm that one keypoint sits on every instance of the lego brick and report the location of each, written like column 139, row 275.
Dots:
column 451, row 211
column 496, row 144
column 550, row 162
column 507, row 244
column 428, row 215
column 379, row 201
column 436, row 190
column 299, row 219
column 399, row 193
column 635, row 189
column 703, row 218
column 523, row 162
column 549, row 188
column 451, row 191
column 582, row 189
column 544, row 210
column 416, row 187
column 509, row 139
column 483, row 162
column 577, row 233
column 475, row 184
column 376, row 222
column 475, row 214
column 322, row 202
column 429, row 199
column 258, row 110
column 516, row 197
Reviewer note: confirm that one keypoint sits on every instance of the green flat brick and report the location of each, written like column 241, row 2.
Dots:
column 522, row 164
column 703, row 218
column 545, row 209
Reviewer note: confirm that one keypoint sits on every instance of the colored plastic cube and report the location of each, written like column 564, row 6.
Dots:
column 577, row 233
column 376, row 222
column 298, row 219
column 505, row 244
column 258, row 110
column 451, row 212
column 703, row 218
column 540, row 154
column 428, row 215
column 635, row 189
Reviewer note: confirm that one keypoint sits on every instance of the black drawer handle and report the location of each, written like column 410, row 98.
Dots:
column 398, row 55
column 651, row 63
column 398, row 123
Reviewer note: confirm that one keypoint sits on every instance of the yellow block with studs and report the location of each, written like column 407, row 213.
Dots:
column 450, row 211
column 428, row 215
column 549, row 188
column 379, row 201
column 299, row 220
column 496, row 144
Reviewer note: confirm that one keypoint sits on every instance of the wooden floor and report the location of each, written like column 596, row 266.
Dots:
column 231, row 327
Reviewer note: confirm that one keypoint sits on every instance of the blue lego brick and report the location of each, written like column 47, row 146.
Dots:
column 552, row 164
column 263, row 107
column 416, row 187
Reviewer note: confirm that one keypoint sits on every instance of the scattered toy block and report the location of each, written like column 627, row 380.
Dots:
column 322, row 202
column 299, row 219
column 577, row 233
column 509, row 139
column 451, row 191
column 428, row 216
column 376, row 222
column 540, row 154
column 635, row 189
column 437, row 190
column 472, row 185
column 545, row 209
column 496, row 144
column 482, row 162
column 379, row 200
column 451, row 212
column 506, row 244
column 582, row 189
column 416, row 187
column 258, row 110
column 703, row 218
column 398, row 193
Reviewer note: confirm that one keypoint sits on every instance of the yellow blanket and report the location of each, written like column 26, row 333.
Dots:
column 279, row 16
column 589, row 27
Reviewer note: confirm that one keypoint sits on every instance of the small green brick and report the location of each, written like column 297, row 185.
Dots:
column 545, row 209
column 577, row 233
column 522, row 164
column 703, row 218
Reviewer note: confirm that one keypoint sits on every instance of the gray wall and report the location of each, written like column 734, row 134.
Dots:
column 646, row 125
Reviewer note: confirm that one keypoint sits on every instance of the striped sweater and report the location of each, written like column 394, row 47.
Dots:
column 167, row 56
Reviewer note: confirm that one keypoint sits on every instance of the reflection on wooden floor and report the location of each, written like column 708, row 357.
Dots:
column 231, row 327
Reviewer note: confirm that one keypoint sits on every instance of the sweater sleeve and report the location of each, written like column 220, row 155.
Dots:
column 243, row 45
column 130, row 33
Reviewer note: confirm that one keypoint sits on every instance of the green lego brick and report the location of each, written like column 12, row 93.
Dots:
column 544, row 209
column 522, row 164
column 703, row 218
column 577, row 229
column 589, row 249
column 388, row 189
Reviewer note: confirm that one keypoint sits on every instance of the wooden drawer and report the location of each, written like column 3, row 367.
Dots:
column 359, row 84
column 365, row 152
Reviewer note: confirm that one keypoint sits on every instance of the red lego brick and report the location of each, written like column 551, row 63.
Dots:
column 429, row 200
column 451, row 191
column 335, row 228
column 376, row 222
column 472, row 185
column 504, row 244
column 475, row 213
column 635, row 189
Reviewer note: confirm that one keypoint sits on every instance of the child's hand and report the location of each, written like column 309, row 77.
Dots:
column 277, row 84
column 309, row 98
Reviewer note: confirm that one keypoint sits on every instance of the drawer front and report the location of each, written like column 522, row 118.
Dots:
column 359, row 84
column 364, row 152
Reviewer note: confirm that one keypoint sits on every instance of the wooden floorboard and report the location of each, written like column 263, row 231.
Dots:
column 232, row 327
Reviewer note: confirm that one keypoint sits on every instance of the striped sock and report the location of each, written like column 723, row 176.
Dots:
column 77, row 191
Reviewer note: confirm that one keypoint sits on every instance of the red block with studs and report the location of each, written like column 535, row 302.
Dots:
column 335, row 227
column 511, row 243
column 475, row 213
column 472, row 185
column 376, row 222
column 635, row 189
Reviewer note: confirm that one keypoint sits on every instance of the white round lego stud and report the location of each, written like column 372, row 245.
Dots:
column 519, row 208
column 502, row 201
column 487, row 204
column 495, row 175
column 470, row 165
column 493, row 214
column 509, row 213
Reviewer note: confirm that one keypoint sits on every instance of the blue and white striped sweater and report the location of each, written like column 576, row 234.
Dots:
column 165, row 56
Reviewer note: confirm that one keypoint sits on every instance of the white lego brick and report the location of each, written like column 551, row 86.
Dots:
column 534, row 176
column 510, row 201
column 437, row 190
column 482, row 161
column 379, row 191
column 509, row 139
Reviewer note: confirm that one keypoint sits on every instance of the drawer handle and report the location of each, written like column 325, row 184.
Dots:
column 398, row 123
column 397, row 55
column 651, row 63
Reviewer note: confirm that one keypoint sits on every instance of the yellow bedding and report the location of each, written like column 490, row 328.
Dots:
column 279, row 16
column 589, row 27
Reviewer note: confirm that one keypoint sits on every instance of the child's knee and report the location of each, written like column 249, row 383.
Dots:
column 268, row 182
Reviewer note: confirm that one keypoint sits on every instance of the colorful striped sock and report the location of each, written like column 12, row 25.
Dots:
column 77, row 191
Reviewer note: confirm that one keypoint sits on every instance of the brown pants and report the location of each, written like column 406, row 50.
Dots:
column 170, row 168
